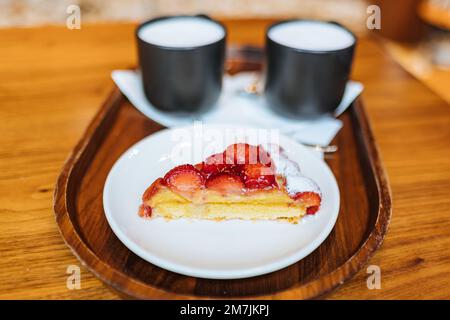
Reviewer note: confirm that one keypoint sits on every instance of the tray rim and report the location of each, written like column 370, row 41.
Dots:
column 137, row 289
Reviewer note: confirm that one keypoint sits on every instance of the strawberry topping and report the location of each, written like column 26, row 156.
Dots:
column 225, row 183
column 145, row 211
column 199, row 166
column 241, row 153
column 258, row 176
column 154, row 187
column 310, row 199
column 184, row 179
column 264, row 157
column 214, row 164
column 312, row 210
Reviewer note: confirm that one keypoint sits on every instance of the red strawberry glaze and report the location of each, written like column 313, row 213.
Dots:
column 264, row 157
column 214, row 164
column 311, row 199
column 258, row 176
column 312, row 210
column 184, row 179
column 145, row 211
column 227, row 183
column 154, row 187
column 308, row 197
column 199, row 166
column 241, row 153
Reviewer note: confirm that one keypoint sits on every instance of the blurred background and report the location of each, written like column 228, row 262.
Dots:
column 32, row 12
column 415, row 32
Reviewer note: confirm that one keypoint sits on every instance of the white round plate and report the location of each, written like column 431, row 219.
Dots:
column 211, row 249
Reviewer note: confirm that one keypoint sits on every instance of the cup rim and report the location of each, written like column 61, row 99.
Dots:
column 308, row 50
column 187, row 48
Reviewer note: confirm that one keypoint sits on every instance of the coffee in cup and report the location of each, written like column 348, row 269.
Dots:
column 308, row 66
column 181, row 59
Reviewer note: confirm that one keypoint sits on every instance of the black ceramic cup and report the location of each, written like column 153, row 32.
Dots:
column 308, row 66
column 181, row 60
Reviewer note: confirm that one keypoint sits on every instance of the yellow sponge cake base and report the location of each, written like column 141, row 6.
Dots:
column 220, row 211
column 269, row 205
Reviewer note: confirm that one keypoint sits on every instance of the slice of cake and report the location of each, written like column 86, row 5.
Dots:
column 243, row 182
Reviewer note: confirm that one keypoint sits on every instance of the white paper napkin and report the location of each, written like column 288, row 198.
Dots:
column 237, row 108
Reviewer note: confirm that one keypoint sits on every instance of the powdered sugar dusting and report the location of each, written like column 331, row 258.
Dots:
column 300, row 183
column 295, row 181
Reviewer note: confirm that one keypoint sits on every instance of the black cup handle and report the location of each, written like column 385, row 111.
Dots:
column 202, row 15
column 343, row 27
column 334, row 22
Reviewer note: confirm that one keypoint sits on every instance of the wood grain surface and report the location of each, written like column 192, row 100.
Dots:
column 53, row 80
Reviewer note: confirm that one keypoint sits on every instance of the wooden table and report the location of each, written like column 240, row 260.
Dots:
column 53, row 80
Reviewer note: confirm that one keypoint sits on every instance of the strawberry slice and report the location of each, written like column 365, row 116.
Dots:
column 184, row 179
column 264, row 157
column 214, row 164
column 154, row 187
column 225, row 183
column 199, row 166
column 258, row 176
column 310, row 199
column 312, row 210
column 241, row 153
column 145, row 211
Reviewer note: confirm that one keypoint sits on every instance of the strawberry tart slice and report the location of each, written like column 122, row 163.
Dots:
column 243, row 182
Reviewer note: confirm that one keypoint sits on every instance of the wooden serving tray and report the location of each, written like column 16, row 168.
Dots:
column 360, row 228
